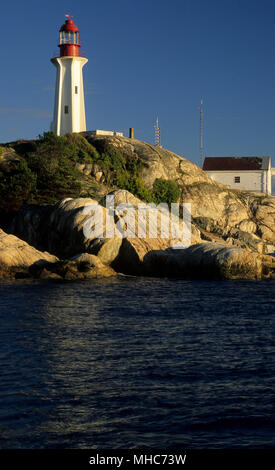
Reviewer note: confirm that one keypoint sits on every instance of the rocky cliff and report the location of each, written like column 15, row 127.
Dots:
column 238, row 217
column 234, row 231
column 60, row 229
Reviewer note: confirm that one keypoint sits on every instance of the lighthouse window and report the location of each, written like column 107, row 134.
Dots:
column 76, row 90
column 237, row 179
column 66, row 109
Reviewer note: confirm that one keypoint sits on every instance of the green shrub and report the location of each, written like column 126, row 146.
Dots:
column 72, row 146
column 83, row 151
column 165, row 191
column 53, row 163
column 16, row 186
column 135, row 185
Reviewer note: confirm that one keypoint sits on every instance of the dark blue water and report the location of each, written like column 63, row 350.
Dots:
column 137, row 363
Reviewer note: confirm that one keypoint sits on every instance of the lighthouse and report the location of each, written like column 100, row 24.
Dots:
column 69, row 108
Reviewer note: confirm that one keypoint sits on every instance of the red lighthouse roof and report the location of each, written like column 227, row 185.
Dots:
column 69, row 26
column 69, row 39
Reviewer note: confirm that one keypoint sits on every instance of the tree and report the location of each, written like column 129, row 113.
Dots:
column 16, row 185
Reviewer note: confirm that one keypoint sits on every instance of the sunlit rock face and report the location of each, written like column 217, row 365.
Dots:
column 16, row 256
column 222, row 207
column 209, row 261
column 236, row 220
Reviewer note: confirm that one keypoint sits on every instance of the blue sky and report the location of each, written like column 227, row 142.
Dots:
column 148, row 58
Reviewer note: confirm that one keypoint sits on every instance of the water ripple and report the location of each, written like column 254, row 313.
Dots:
column 137, row 363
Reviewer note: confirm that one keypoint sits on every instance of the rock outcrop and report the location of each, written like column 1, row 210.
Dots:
column 82, row 266
column 20, row 260
column 229, row 228
column 209, row 261
column 216, row 208
column 60, row 229
column 159, row 162
column 8, row 158
column 135, row 247
column 16, row 256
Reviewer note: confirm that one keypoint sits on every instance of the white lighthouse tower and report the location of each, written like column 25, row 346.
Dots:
column 69, row 108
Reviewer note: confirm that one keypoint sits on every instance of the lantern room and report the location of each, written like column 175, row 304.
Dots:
column 69, row 39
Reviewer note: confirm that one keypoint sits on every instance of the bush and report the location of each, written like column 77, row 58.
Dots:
column 52, row 161
column 16, row 185
column 135, row 185
column 72, row 146
column 81, row 149
column 165, row 191
column 23, row 147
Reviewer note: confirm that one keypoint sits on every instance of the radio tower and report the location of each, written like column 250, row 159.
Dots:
column 201, row 135
column 157, row 132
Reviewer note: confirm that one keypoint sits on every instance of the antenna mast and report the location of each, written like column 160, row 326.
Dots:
column 201, row 135
column 157, row 132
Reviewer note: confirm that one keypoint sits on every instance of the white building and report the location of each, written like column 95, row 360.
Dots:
column 69, row 109
column 247, row 173
column 102, row 132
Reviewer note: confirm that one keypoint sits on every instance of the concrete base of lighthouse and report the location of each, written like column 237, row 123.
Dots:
column 69, row 108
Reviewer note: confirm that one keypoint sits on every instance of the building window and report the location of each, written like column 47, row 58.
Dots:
column 66, row 109
column 76, row 90
column 237, row 179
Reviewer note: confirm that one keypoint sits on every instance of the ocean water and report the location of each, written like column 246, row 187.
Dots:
column 137, row 363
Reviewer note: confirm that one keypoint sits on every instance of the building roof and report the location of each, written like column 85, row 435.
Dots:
column 69, row 26
column 236, row 163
